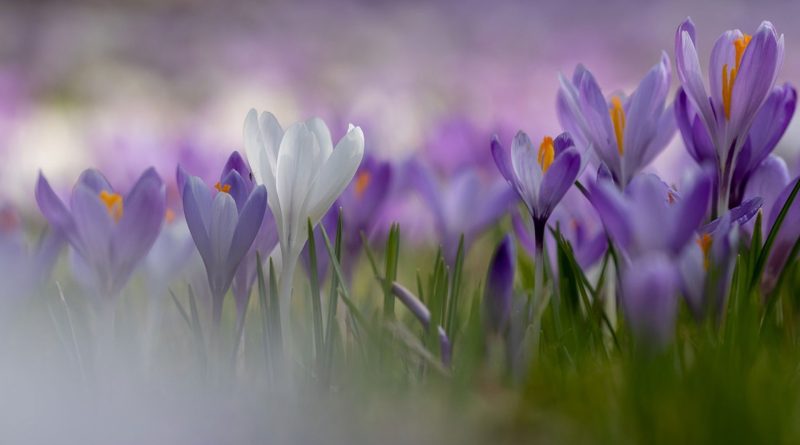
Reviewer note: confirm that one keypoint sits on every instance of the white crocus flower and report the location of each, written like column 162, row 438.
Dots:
column 303, row 173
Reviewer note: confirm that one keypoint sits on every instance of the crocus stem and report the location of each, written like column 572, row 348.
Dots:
column 285, row 293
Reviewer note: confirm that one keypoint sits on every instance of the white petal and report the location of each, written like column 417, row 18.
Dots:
column 526, row 168
column 262, row 138
column 323, row 135
column 335, row 174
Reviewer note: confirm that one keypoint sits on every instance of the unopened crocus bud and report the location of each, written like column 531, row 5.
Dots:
column 499, row 287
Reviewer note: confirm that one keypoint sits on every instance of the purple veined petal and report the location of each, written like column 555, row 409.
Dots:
column 55, row 212
column 502, row 159
column 695, row 135
column 224, row 220
column 143, row 214
column 767, row 182
column 723, row 53
column 691, row 210
column 649, row 288
column 756, row 76
column 594, row 107
column 557, row 180
column 643, row 112
column 650, row 200
column 687, row 64
column 249, row 223
column 527, row 171
column 569, row 112
column 94, row 226
column 770, row 123
column 613, row 211
column 500, row 286
column 236, row 186
column 197, row 203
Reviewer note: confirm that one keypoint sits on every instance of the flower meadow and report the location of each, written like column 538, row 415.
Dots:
column 543, row 287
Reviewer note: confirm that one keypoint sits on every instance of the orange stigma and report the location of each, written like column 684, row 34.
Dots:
column 362, row 182
column 224, row 188
column 169, row 215
column 704, row 241
column 547, row 153
column 618, row 119
column 113, row 202
column 728, row 78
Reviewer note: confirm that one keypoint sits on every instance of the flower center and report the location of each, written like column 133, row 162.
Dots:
column 547, row 153
column 224, row 188
column 618, row 119
column 728, row 78
column 169, row 216
column 113, row 202
column 704, row 241
column 362, row 182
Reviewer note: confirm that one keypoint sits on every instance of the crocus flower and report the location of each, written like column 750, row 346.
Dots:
column 110, row 232
column 499, row 290
column 626, row 134
column 742, row 72
column 223, row 228
column 540, row 178
column 788, row 234
column 649, row 216
column 303, row 173
column 423, row 315
column 649, row 298
column 465, row 205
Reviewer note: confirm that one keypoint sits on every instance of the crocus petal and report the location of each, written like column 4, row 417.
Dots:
column 239, row 187
column 317, row 126
column 502, row 159
column 557, row 180
column 335, row 174
column 94, row 180
column 767, row 181
column 612, row 209
column 137, row 230
column 723, row 53
column 197, row 205
column 55, row 212
column 691, row 210
column 527, row 171
column 687, row 64
column 250, row 218
column 237, row 163
column 756, row 75
column 770, row 123
column 93, row 225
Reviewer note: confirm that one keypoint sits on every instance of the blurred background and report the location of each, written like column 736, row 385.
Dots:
column 128, row 84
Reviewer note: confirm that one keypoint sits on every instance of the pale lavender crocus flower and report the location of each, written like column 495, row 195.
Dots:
column 423, row 315
column 649, row 290
column 742, row 72
column 110, row 232
column 626, row 133
column 223, row 228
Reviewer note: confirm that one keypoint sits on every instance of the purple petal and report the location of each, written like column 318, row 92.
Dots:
column 95, row 181
column 649, row 287
column 691, row 210
column 687, row 64
column 55, row 212
column 500, row 286
column 557, row 180
column 770, row 123
column 613, row 212
column 249, row 223
column 197, row 210
column 502, row 159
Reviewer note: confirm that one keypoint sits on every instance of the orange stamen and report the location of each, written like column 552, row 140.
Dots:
column 113, row 202
column 728, row 79
column 618, row 119
column 362, row 182
column 704, row 241
column 224, row 188
column 547, row 153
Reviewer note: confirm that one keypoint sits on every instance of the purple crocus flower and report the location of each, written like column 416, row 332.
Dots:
column 788, row 234
column 649, row 298
column 649, row 216
column 626, row 134
column 111, row 233
column 540, row 178
column 742, row 72
column 498, row 295
column 466, row 205
column 224, row 226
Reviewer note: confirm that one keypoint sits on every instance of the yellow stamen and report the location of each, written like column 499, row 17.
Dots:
column 169, row 215
column 618, row 119
column 113, row 202
column 547, row 153
column 362, row 182
column 728, row 79
column 704, row 241
column 224, row 188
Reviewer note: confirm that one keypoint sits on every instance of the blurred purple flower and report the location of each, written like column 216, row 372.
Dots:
column 626, row 134
column 539, row 179
column 649, row 298
column 423, row 315
column 223, row 227
column 465, row 205
column 742, row 72
column 111, row 233
column 456, row 144
column 649, row 216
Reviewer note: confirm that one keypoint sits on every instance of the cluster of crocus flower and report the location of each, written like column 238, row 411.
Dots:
column 667, row 241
